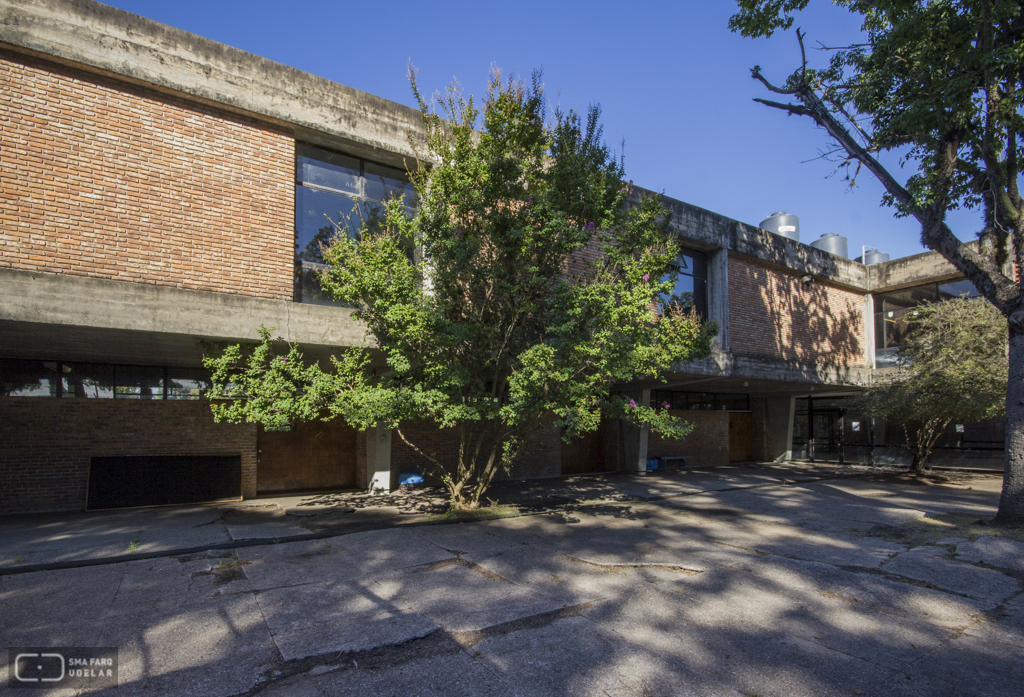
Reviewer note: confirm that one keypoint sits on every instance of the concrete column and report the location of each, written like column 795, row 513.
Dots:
column 718, row 295
column 634, row 439
column 781, row 412
column 869, row 329
column 378, row 458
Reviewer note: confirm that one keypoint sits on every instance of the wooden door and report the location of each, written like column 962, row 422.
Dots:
column 741, row 436
column 585, row 454
column 311, row 456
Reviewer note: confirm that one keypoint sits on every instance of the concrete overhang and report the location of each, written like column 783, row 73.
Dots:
column 118, row 317
column 707, row 230
column 906, row 272
column 758, row 376
column 88, row 35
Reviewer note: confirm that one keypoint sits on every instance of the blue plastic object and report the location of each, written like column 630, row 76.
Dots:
column 410, row 478
column 652, row 464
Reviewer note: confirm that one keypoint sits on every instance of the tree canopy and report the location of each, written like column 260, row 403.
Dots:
column 939, row 83
column 527, row 284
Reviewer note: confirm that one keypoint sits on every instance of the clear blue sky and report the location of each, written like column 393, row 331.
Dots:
column 673, row 82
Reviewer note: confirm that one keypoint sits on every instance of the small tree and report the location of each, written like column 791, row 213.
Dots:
column 951, row 366
column 537, row 293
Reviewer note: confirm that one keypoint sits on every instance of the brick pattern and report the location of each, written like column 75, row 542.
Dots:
column 541, row 456
column 46, row 444
column 103, row 178
column 707, row 445
column 772, row 314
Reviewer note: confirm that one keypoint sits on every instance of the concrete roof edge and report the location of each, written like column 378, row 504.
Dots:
column 706, row 229
column 113, row 41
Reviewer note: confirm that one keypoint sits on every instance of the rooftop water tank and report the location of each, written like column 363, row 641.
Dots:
column 784, row 224
column 834, row 244
column 872, row 256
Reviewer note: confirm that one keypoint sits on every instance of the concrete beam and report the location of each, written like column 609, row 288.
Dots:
column 378, row 459
column 635, row 438
column 772, row 370
column 718, row 295
column 86, row 34
column 928, row 267
column 80, row 301
column 781, row 413
column 708, row 230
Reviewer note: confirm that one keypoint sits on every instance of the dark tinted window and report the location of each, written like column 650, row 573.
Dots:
column 19, row 378
column 691, row 289
column 87, row 380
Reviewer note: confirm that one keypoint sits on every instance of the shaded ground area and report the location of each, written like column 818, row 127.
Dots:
column 66, row 538
column 766, row 582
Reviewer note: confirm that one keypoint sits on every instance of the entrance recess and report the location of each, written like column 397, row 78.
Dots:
column 314, row 455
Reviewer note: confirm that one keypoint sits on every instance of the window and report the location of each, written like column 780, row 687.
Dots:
column 30, row 378
column 699, row 401
column 139, row 382
column 691, row 289
column 187, row 383
column 87, row 380
column 336, row 194
column 892, row 310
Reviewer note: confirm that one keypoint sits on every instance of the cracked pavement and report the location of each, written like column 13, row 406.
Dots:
column 867, row 585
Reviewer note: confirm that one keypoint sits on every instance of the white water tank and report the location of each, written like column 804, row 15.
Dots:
column 872, row 256
column 834, row 244
column 783, row 224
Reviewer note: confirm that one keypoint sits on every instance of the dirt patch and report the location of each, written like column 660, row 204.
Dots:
column 931, row 528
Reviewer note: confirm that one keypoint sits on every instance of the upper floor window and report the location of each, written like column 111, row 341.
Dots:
column 891, row 310
column 336, row 194
column 691, row 288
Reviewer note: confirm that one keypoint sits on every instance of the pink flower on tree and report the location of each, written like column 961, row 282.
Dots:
column 632, row 404
column 647, row 276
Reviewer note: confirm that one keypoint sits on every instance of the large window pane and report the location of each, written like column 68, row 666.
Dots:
column 139, row 382
column 87, row 380
column 20, row 378
column 319, row 217
column 691, row 289
column 384, row 182
column 187, row 383
column 958, row 289
column 325, row 168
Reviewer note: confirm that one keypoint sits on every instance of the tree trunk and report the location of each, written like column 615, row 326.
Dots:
column 1011, row 502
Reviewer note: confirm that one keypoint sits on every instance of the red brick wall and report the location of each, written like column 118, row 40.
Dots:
column 772, row 314
column 541, row 456
column 45, row 444
column 102, row 178
column 707, row 445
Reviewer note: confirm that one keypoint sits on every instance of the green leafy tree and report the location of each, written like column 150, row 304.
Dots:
column 537, row 293
column 939, row 83
column 951, row 366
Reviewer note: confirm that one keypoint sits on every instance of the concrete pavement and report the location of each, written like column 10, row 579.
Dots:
column 864, row 585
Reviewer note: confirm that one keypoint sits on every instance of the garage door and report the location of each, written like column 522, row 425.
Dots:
column 155, row 480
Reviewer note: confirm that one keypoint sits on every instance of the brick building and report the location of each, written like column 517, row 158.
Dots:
column 158, row 189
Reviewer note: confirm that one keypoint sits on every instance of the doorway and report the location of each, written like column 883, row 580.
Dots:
column 741, row 436
column 309, row 456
